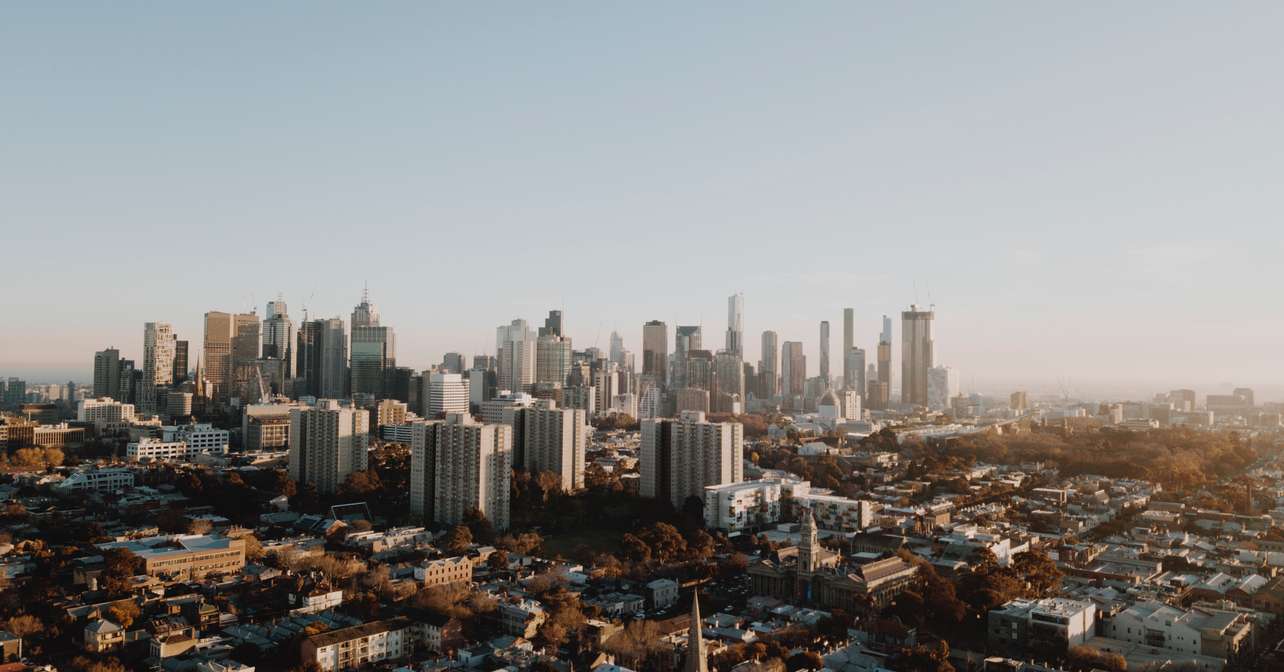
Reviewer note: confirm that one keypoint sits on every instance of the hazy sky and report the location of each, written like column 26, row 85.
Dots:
column 1088, row 193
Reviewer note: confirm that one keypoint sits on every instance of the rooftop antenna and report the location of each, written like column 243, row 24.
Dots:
column 305, row 304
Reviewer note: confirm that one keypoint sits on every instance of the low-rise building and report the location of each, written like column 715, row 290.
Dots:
column 186, row 556
column 357, row 646
column 445, row 572
column 1053, row 624
column 97, row 479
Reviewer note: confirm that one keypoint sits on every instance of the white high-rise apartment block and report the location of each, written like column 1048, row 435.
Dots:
column 457, row 466
column 649, row 402
column 942, row 386
column 492, row 410
column 445, row 393
column 158, row 364
column 680, row 458
column 327, row 443
column 517, row 355
column 104, row 412
column 556, row 440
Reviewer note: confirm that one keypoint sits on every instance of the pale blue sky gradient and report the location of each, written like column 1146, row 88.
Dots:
column 1087, row 191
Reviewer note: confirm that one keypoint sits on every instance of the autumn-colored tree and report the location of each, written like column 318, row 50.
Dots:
column 459, row 539
column 123, row 613
column 24, row 625
column 498, row 561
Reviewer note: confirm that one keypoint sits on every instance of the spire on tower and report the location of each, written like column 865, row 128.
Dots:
column 696, row 661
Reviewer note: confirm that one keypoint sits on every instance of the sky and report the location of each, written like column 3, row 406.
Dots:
column 1089, row 193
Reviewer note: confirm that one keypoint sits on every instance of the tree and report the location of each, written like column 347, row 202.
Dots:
column 24, row 625
column 664, row 541
column 361, row 484
column 459, row 540
column 482, row 530
column 1039, row 571
column 85, row 664
column 635, row 549
column 805, row 660
column 1094, row 658
column 498, row 561
column 123, row 613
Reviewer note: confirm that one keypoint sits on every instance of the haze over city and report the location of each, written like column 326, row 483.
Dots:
column 1085, row 213
column 641, row 337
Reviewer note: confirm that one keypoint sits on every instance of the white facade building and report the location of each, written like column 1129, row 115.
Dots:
column 105, row 412
column 445, row 393
column 98, row 479
column 736, row 507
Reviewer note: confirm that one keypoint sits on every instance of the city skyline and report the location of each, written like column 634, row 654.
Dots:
column 1077, row 209
column 971, row 382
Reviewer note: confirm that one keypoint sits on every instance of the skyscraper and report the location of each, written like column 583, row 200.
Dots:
column 373, row 351
column 854, row 370
column 793, row 369
column 617, row 348
column 278, row 335
column 447, row 393
column 552, row 359
column 735, row 324
column 373, row 354
column 458, row 466
column 231, row 346
column 516, row 347
column 246, row 332
column 769, row 365
column 824, row 351
column 333, row 360
column 916, row 355
column 678, row 458
column 655, row 351
column 454, row 362
column 884, row 388
column 328, row 442
column 365, row 314
column 849, row 342
column 218, row 352
column 942, row 386
column 687, row 339
column 107, row 373
column 552, row 324
column 180, row 361
column 158, row 365
column 729, row 383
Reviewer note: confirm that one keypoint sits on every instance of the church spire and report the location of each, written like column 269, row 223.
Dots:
column 695, row 639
